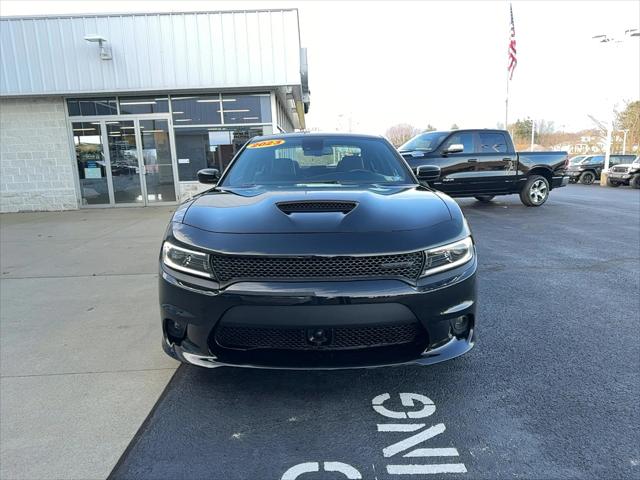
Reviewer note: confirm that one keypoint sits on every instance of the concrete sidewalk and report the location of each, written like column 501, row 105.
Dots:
column 80, row 358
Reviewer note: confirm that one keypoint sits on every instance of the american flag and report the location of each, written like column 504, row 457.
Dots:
column 512, row 46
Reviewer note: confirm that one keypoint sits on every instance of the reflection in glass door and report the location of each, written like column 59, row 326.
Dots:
column 157, row 161
column 92, row 170
column 125, row 167
column 125, row 161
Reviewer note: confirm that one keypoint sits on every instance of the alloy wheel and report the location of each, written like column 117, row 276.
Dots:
column 588, row 178
column 538, row 192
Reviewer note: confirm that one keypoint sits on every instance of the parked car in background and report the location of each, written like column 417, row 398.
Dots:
column 588, row 170
column 577, row 159
column 625, row 174
column 483, row 163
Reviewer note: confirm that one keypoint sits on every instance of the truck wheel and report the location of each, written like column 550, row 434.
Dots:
column 635, row 181
column 484, row 198
column 587, row 178
column 535, row 191
column 611, row 183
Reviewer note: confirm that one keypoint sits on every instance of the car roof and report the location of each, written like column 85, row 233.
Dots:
column 466, row 130
column 276, row 136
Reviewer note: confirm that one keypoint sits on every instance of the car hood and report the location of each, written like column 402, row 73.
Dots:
column 627, row 165
column 378, row 209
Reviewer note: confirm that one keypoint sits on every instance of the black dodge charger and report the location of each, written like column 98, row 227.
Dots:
column 318, row 251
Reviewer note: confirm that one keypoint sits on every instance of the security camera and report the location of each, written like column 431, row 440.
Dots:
column 95, row 38
column 105, row 52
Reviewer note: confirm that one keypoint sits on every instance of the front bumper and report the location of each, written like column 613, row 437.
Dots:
column 620, row 176
column 434, row 303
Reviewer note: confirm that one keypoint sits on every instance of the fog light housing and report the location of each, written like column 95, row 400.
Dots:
column 460, row 325
column 175, row 331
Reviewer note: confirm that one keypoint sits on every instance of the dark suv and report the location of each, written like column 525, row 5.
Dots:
column 588, row 170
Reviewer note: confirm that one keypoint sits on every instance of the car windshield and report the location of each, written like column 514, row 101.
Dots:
column 576, row 160
column 426, row 142
column 591, row 160
column 305, row 160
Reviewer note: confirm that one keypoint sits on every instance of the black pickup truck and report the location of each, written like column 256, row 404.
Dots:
column 483, row 163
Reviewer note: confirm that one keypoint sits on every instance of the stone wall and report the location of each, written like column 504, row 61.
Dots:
column 36, row 162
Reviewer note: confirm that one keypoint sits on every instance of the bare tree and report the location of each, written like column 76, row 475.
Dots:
column 601, row 131
column 400, row 133
column 629, row 120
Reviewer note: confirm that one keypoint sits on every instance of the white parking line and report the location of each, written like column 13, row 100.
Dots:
column 433, row 452
column 426, row 469
column 399, row 427
column 413, row 440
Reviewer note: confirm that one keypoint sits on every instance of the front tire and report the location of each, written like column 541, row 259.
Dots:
column 535, row 191
column 484, row 198
column 587, row 178
column 635, row 181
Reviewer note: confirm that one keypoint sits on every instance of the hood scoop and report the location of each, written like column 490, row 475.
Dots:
column 316, row 206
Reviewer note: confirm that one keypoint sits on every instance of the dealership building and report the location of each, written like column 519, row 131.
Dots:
column 124, row 109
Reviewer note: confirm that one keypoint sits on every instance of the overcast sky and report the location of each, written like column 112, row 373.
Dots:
column 438, row 63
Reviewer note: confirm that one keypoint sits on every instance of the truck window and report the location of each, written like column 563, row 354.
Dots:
column 464, row 138
column 492, row 143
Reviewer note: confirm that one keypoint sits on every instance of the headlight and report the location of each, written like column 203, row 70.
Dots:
column 185, row 260
column 448, row 256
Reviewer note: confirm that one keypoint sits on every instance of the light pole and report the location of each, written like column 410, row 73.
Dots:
column 624, row 140
column 604, row 39
column 533, row 132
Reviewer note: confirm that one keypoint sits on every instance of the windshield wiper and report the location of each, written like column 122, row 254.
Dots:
column 422, row 150
column 319, row 182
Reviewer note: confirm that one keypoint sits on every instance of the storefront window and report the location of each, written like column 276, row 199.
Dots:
column 137, row 105
column 196, row 110
column 202, row 147
column 254, row 108
column 92, row 170
column 92, row 106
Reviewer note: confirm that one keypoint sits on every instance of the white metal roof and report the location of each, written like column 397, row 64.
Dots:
column 48, row 55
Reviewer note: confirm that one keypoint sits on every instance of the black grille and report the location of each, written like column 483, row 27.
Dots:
column 619, row 169
column 340, row 338
column 316, row 206
column 235, row 267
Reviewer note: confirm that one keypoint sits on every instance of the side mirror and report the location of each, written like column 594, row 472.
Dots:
column 208, row 175
column 455, row 148
column 428, row 173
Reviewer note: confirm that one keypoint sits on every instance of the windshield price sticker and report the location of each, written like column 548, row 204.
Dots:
column 266, row 143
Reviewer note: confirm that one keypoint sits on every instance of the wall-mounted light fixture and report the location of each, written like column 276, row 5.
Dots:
column 105, row 51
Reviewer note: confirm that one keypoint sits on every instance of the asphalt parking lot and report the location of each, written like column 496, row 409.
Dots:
column 550, row 391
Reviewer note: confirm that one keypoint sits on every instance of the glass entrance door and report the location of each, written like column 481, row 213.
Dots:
column 159, row 180
column 91, row 163
column 136, row 165
column 124, row 162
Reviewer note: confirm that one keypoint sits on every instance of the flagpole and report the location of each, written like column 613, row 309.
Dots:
column 506, row 100
column 506, row 106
